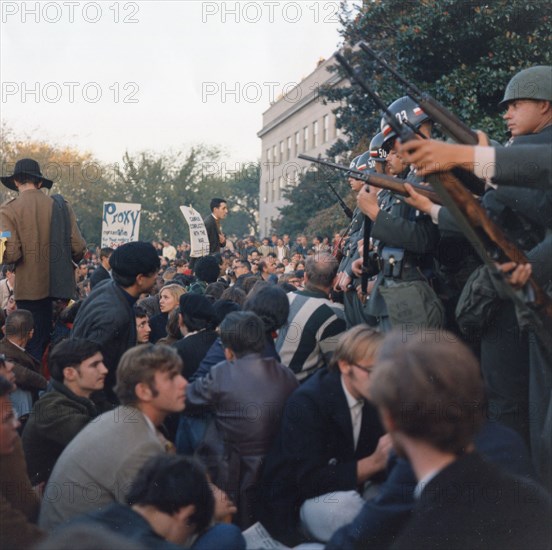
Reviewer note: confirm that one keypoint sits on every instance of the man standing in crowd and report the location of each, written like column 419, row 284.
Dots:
column 107, row 316
column 44, row 241
column 77, row 369
column 169, row 251
column 102, row 271
column 307, row 340
column 219, row 211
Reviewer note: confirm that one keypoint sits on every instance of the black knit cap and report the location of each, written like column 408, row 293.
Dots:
column 197, row 306
column 132, row 259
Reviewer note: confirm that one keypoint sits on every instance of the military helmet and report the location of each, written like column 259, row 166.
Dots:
column 364, row 163
column 377, row 151
column 403, row 109
column 354, row 163
column 361, row 163
column 532, row 83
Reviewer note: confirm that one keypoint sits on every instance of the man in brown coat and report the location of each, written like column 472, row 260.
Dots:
column 43, row 240
column 19, row 329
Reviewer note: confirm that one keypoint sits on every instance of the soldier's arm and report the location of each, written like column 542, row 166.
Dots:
column 520, row 166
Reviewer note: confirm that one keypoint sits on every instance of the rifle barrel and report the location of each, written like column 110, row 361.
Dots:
column 449, row 122
column 381, row 181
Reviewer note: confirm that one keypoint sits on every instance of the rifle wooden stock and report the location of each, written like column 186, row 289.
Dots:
column 477, row 217
column 380, row 181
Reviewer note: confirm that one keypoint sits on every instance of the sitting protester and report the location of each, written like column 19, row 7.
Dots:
column 169, row 506
column 19, row 330
column 18, row 502
column 77, row 370
column 247, row 394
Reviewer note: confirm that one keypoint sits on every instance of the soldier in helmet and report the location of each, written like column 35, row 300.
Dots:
column 515, row 370
column 528, row 104
column 378, row 154
column 350, row 249
column 405, row 240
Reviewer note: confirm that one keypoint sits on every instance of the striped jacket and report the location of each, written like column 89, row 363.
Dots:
column 309, row 337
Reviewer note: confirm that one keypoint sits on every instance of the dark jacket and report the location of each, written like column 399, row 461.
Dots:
column 472, row 504
column 212, row 234
column 314, row 452
column 382, row 518
column 124, row 521
column 106, row 317
column 192, row 349
column 247, row 397
column 99, row 274
column 158, row 325
column 57, row 417
column 215, row 355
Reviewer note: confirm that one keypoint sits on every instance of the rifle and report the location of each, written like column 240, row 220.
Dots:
column 348, row 212
column 379, row 180
column 448, row 121
column 407, row 131
column 471, row 218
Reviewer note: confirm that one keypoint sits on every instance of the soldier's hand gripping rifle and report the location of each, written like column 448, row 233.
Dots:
column 471, row 219
column 449, row 122
column 380, row 181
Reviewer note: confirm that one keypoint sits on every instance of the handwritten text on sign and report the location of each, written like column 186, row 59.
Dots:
column 199, row 242
column 120, row 223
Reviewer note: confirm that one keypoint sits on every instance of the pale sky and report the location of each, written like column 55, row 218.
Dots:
column 109, row 76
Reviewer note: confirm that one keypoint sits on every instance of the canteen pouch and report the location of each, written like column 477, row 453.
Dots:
column 392, row 262
column 413, row 303
column 478, row 302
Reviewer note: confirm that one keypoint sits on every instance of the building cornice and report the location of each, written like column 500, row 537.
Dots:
column 309, row 98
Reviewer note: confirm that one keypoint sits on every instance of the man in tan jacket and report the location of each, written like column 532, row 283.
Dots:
column 43, row 240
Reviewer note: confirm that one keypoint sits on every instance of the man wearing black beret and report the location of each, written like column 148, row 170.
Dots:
column 107, row 317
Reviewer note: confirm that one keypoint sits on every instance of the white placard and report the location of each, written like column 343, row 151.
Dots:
column 120, row 223
column 199, row 241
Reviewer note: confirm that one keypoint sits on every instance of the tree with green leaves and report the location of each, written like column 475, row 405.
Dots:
column 462, row 52
column 312, row 207
column 160, row 182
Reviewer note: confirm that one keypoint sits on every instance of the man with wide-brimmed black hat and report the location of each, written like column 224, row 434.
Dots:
column 43, row 241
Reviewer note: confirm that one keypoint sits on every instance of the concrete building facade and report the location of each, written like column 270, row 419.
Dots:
column 296, row 123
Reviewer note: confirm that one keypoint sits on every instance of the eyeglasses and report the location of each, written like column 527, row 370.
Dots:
column 367, row 370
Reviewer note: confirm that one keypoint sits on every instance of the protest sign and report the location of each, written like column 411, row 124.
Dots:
column 199, row 242
column 120, row 223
